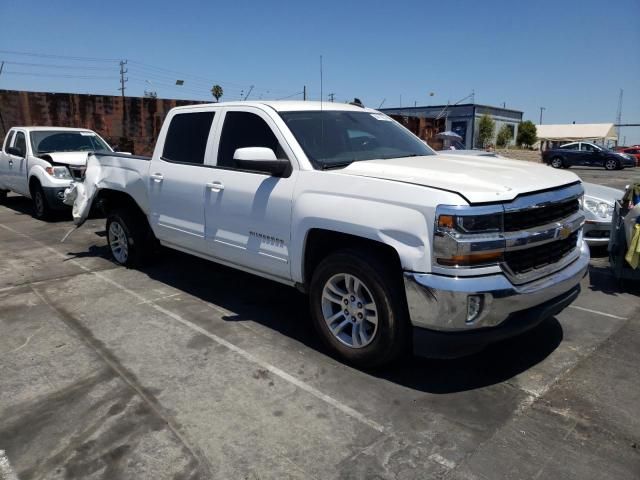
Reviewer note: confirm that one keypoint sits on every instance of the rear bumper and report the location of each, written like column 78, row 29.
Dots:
column 438, row 304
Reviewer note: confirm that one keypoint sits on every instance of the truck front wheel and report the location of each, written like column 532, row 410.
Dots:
column 358, row 308
column 41, row 209
column 129, row 238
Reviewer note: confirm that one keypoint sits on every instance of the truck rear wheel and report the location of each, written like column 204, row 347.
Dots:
column 129, row 237
column 358, row 308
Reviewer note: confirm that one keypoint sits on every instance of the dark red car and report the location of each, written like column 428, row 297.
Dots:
column 633, row 150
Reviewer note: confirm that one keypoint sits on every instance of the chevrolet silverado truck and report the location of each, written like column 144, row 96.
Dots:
column 41, row 162
column 395, row 246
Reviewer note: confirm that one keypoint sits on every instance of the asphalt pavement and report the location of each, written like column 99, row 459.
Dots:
column 189, row 370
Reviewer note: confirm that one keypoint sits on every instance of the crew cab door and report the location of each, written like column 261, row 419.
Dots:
column 177, row 177
column 17, row 163
column 248, row 213
column 6, row 161
column 20, row 172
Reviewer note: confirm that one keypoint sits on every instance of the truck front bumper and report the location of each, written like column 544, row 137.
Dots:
column 444, row 325
column 55, row 197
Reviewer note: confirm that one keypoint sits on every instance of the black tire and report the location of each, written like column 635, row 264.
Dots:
column 384, row 284
column 3, row 195
column 557, row 162
column 134, row 232
column 41, row 208
column 611, row 164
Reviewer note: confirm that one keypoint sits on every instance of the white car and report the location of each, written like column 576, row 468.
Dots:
column 395, row 245
column 41, row 162
column 598, row 204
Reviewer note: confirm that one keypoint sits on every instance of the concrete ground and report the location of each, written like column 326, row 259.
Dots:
column 189, row 370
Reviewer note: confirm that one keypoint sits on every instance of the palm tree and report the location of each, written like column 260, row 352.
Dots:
column 217, row 92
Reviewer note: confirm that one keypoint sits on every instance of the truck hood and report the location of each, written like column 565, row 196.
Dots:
column 67, row 158
column 477, row 179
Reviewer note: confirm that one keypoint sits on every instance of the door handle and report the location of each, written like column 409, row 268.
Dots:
column 157, row 177
column 215, row 186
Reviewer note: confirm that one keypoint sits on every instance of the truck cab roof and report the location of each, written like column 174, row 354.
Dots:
column 285, row 106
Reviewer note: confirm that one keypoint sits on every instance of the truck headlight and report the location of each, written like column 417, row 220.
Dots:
column 59, row 172
column 468, row 240
column 471, row 223
column 598, row 208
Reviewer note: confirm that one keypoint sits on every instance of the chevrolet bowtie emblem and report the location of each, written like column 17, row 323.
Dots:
column 564, row 232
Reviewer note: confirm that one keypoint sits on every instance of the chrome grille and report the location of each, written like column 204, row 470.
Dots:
column 539, row 215
column 534, row 258
column 77, row 172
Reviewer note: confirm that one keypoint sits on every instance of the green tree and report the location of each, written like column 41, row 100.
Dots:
column 505, row 135
column 527, row 134
column 217, row 92
column 486, row 130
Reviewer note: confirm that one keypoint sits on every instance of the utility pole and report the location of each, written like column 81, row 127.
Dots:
column 542, row 109
column 331, row 97
column 123, row 79
column 304, row 92
column 4, row 129
column 619, row 113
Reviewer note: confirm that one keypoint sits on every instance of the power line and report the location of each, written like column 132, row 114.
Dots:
column 40, row 74
column 292, row 95
column 49, row 65
column 147, row 70
column 46, row 55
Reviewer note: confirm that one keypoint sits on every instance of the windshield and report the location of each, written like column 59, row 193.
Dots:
column 338, row 138
column 66, row 141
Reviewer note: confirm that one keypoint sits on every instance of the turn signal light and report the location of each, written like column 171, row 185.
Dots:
column 472, row 259
column 446, row 221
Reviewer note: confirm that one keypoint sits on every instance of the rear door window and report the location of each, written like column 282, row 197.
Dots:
column 571, row 146
column 186, row 140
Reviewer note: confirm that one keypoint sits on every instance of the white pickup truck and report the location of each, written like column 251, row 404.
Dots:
column 394, row 244
column 41, row 162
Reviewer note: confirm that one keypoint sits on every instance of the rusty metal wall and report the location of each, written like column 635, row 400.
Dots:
column 133, row 128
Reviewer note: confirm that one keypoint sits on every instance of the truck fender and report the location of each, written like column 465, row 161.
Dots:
column 404, row 229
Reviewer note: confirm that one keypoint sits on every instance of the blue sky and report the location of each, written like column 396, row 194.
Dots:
column 571, row 57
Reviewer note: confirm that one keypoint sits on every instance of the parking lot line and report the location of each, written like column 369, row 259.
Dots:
column 347, row 410
column 604, row 314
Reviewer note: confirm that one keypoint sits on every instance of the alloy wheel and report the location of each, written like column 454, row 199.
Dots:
column 118, row 242
column 349, row 310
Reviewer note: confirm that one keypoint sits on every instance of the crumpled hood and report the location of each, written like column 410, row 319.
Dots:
column 478, row 179
column 68, row 158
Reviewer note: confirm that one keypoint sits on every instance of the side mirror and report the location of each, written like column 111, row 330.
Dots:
column 260, row 159
column 15, row 151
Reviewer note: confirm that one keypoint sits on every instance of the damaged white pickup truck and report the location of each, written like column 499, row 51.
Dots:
column 395, row 245
column 41, row 162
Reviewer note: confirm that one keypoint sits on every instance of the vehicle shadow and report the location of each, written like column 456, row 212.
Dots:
column 285, row 310
column 23, row 206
